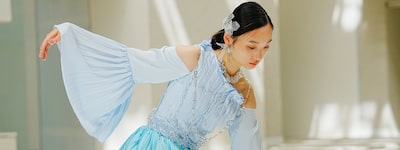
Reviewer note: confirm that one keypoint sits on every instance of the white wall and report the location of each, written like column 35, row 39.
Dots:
column 334, row 70
column 272, row 106
column 319, row 68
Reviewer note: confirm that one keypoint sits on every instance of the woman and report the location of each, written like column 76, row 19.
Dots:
column 206, row 87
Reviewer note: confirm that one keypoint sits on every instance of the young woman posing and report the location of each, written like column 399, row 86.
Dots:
column 206, row 87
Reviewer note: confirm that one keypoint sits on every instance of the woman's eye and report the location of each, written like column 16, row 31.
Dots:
column 252, row 47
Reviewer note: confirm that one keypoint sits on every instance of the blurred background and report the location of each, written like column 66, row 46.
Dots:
column 331, row 79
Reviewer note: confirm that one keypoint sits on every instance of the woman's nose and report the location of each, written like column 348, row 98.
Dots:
column 258, row 55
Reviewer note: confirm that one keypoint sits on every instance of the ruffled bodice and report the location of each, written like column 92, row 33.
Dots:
column 197, row 103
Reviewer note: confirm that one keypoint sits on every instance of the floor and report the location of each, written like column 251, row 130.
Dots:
column 346, row 144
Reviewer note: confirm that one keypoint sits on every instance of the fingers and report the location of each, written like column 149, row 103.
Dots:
column 51, row 38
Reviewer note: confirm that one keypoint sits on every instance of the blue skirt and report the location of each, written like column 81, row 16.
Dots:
column 146, row 138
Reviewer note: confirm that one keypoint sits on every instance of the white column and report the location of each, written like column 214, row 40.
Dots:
column 272, row 107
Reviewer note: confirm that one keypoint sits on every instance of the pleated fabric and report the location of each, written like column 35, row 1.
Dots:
column 99, row 75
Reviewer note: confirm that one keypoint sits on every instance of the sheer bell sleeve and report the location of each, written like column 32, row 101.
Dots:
column 99, row 75
column 244, row 132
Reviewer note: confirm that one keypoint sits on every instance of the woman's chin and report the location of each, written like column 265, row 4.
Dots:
column 249, row 67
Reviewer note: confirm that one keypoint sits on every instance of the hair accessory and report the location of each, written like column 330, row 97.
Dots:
column 229, row 25
column 222, row 45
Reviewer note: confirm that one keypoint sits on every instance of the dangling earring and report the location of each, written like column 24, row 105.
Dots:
column 228, row 49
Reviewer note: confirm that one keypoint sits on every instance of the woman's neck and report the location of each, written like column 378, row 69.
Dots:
column 231, row 65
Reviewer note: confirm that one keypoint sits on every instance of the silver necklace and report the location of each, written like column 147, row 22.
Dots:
column 231, row 79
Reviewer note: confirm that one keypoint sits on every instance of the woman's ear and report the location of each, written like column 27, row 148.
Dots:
column 228, row 39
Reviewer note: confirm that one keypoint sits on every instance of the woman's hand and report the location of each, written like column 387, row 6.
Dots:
column 244, row 87
column 52, row 38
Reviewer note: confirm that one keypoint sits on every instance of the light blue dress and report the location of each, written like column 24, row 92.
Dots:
column 99, row 75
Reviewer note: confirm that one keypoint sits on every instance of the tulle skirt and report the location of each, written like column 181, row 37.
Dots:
column 146, row 138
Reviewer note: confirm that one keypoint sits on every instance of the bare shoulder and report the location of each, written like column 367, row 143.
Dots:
column 244, row 87
column 189, row 55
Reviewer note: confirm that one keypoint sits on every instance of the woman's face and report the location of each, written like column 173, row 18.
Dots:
column 250, row 48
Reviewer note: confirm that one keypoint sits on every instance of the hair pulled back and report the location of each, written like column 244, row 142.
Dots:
column 250, row 16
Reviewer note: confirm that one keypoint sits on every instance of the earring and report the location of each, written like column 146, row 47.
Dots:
column 228, row 49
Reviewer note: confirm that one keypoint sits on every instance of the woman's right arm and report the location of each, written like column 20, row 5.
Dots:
column 99, row 74
column 167, row 63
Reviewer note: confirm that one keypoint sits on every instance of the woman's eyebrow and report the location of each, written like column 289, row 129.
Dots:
column 252, row 41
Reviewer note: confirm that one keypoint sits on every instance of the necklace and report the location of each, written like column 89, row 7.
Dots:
column 231, row 79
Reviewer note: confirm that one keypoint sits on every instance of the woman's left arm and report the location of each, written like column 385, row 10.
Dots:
column 245, row 88
column 244, row 132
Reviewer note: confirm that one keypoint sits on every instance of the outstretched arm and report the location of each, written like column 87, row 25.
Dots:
column 99, row 74
column 188, row 54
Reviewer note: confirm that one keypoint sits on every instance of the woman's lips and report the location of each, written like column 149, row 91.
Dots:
column 253, row 63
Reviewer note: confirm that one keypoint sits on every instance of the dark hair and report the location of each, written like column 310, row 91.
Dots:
column 250, row 16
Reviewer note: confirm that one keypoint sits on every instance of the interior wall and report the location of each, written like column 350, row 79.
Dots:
column 32, row 98
column 393, row 30
column 13, row 91
column 319, row 69
column 335, row 70
column 377, row 113
column 272, row 111
column 60, row 129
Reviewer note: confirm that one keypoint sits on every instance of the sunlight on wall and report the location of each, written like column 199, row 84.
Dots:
column 366, row 120
column 172, row 22
column 388, row 126
column 348, row 13
column 5, row 11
